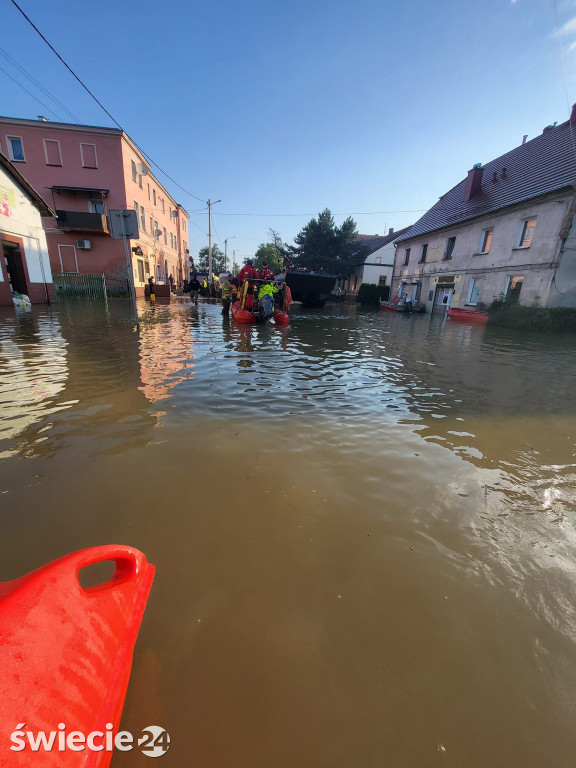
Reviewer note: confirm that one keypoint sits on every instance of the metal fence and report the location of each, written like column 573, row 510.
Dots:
column 73, row 285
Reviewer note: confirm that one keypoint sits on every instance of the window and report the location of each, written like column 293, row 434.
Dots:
column 526, row 233
column 151, row 227
column 474, row 291
column 406, row 257
column 155, row 231
column 165, row 236
column 16, row 149
column 185, row 245
column 134, row 174
column 423, row 252
column 52, row 152
column 449, row 250
column 183, row 224
column 486, row 240
column 154, row 197
column 382, row 280
column 88, row 155
column 513, row 288
column 140, row 270
column 148, row 191
column 143, row 218
column 163, row 207
column 96, row 206
column 378, row 260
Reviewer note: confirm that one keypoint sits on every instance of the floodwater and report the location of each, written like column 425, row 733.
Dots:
column 363, row 526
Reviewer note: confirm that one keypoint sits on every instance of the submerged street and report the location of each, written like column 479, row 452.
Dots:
column 363, row 525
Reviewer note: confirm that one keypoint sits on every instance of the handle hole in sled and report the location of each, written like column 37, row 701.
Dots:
column 97, row 574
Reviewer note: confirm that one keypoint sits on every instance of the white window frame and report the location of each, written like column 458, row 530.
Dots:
column 448, row 256
column 67, row 245
column 11, row 152
column 52, row 141
column 142, row 218
column 88, row 144
column 134, row 171
column 91, row 205
column 523, row 228
column 471, row 287
column 483, row 236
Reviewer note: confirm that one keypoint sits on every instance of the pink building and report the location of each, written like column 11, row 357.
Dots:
column 83, row 172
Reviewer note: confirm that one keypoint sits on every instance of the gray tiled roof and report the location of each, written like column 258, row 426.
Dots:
column 544, row 164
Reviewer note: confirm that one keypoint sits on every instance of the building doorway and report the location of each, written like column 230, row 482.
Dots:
column 443, row 298
column 15, row 268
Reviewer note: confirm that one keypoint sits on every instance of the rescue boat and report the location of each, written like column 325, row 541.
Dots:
column 245, row 309
column 467, row 315
column 66, row 654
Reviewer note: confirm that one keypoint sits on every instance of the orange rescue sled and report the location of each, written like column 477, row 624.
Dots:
column 66, row 652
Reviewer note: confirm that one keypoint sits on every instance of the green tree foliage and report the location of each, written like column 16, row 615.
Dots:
column 274, row 252
column 217, row 260
column 321, row 245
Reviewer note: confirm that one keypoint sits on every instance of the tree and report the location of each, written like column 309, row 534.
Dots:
column 322, row 246
column 274, row 252
column 217, row 260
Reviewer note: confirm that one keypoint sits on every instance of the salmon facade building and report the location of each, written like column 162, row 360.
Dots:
column 83, row 172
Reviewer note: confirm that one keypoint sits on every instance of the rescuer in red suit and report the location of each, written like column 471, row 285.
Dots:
column 247, row 272
column 265, row 273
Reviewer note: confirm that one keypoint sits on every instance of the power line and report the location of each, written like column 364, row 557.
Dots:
column 299, row 215
column 38, row 85
column 100, row 103
column 30, row 93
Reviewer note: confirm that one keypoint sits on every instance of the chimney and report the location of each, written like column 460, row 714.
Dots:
column 42, row 118
column 503, row 174
column 547, row 128
column 524, row 138
column 473, row 182
column 573, row 114
column 391, row 231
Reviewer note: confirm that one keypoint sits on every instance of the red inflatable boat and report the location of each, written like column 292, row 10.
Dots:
column 65, row 658
column 245, row 310
column 467, row 315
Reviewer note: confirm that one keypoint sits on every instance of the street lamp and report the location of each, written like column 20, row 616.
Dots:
column 226, row 251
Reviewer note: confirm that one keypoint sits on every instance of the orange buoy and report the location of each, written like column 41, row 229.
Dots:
column 65, row 657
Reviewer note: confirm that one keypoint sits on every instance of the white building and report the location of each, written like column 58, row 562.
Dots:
column 25, row 265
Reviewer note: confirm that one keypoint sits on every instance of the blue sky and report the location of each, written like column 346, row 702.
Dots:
column 367, row 108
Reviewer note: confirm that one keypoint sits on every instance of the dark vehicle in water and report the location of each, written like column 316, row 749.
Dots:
column 310, row 288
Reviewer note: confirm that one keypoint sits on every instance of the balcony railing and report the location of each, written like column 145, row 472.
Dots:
column 95, row 223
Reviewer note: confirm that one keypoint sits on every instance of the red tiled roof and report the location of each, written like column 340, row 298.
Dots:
column 544, row 164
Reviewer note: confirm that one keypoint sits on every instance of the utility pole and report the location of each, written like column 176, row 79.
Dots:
column 226, row 251
column 210, row 204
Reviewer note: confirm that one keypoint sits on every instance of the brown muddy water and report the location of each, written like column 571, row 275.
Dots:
column 363, row 526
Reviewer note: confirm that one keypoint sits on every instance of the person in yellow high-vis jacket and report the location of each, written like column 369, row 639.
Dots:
column 266, row 301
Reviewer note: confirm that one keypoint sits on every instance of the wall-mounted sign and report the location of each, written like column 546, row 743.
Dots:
column 138, row 251
column 7, row 202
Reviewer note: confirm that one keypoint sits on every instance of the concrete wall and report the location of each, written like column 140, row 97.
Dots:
column 491, row 271
column 21, row 225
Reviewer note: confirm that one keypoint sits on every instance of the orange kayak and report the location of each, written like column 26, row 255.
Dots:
column 65, row 658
